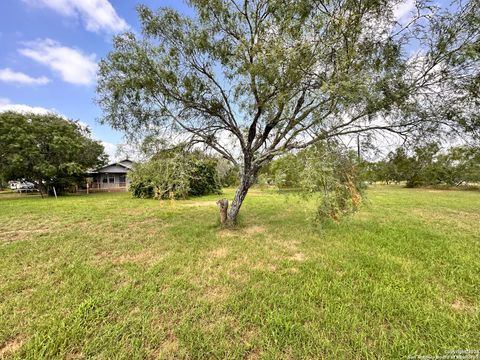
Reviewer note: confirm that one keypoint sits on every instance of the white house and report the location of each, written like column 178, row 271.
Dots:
column 112, row 177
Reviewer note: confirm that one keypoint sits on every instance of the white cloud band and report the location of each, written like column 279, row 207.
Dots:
column 8, row 75
column 71, row 64
column 97, row 15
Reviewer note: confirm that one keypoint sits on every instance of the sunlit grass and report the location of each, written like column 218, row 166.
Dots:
column 111, row 277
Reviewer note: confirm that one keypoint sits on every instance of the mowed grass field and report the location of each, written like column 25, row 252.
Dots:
column 106, row 276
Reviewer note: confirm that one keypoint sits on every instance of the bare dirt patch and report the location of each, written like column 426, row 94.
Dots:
column 11, row 346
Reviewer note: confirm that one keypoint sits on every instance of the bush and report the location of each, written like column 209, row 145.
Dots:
column 141, row 189
column 175, row 175
column 203, row 177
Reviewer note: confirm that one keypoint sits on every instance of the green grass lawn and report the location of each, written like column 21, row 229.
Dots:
column 107, row 276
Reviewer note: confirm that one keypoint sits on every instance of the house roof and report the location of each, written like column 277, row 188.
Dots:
column 119, row 167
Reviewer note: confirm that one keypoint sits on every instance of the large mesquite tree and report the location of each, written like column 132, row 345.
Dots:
column 253, row 79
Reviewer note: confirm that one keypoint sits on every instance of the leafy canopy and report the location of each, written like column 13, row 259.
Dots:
column 253, row 79
column 46, row 149
column 327, row 171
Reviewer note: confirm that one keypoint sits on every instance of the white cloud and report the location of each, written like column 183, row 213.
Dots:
column 22, row 108
column 403, row 9
column 96, row 15
column 8, row 75
column 72, row 64
column 110, row 150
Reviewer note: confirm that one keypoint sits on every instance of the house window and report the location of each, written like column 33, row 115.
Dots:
column 104, row 180
column 111, row 179
column 122, row 179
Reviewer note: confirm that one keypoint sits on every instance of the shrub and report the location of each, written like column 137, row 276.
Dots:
column 175, row 175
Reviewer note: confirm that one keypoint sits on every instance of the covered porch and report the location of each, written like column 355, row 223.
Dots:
column 105, row 182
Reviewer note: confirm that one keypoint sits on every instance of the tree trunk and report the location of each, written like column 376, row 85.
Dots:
column 242, row 190
column 223, row 206
column 42, row 189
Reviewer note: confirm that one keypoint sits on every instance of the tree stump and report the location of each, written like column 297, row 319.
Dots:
column 223, row 206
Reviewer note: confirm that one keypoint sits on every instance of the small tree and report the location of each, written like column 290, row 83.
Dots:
column 255, row 79
column 326, row 170
column 46, row 149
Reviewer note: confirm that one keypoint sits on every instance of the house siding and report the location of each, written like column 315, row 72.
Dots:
column 113, row 177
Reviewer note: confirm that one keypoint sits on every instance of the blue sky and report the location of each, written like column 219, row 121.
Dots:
column 49, row 50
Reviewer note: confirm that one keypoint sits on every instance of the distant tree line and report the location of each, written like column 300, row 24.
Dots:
column 427, row 165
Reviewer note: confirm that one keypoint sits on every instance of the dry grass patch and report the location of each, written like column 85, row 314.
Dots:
column 218, row 253
column 146, row 222
column 462, row 305
column 447, row 215
column 168, row 348
column 134, row 211
column 297, row 257
column 146, row 256
column 24, row 234
column 255, row 229
column 198, row 204
column 242, row 232
column 11, row 346
column 404, row 262
column 215, row 294
column 74, row 356
column 264, row 266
